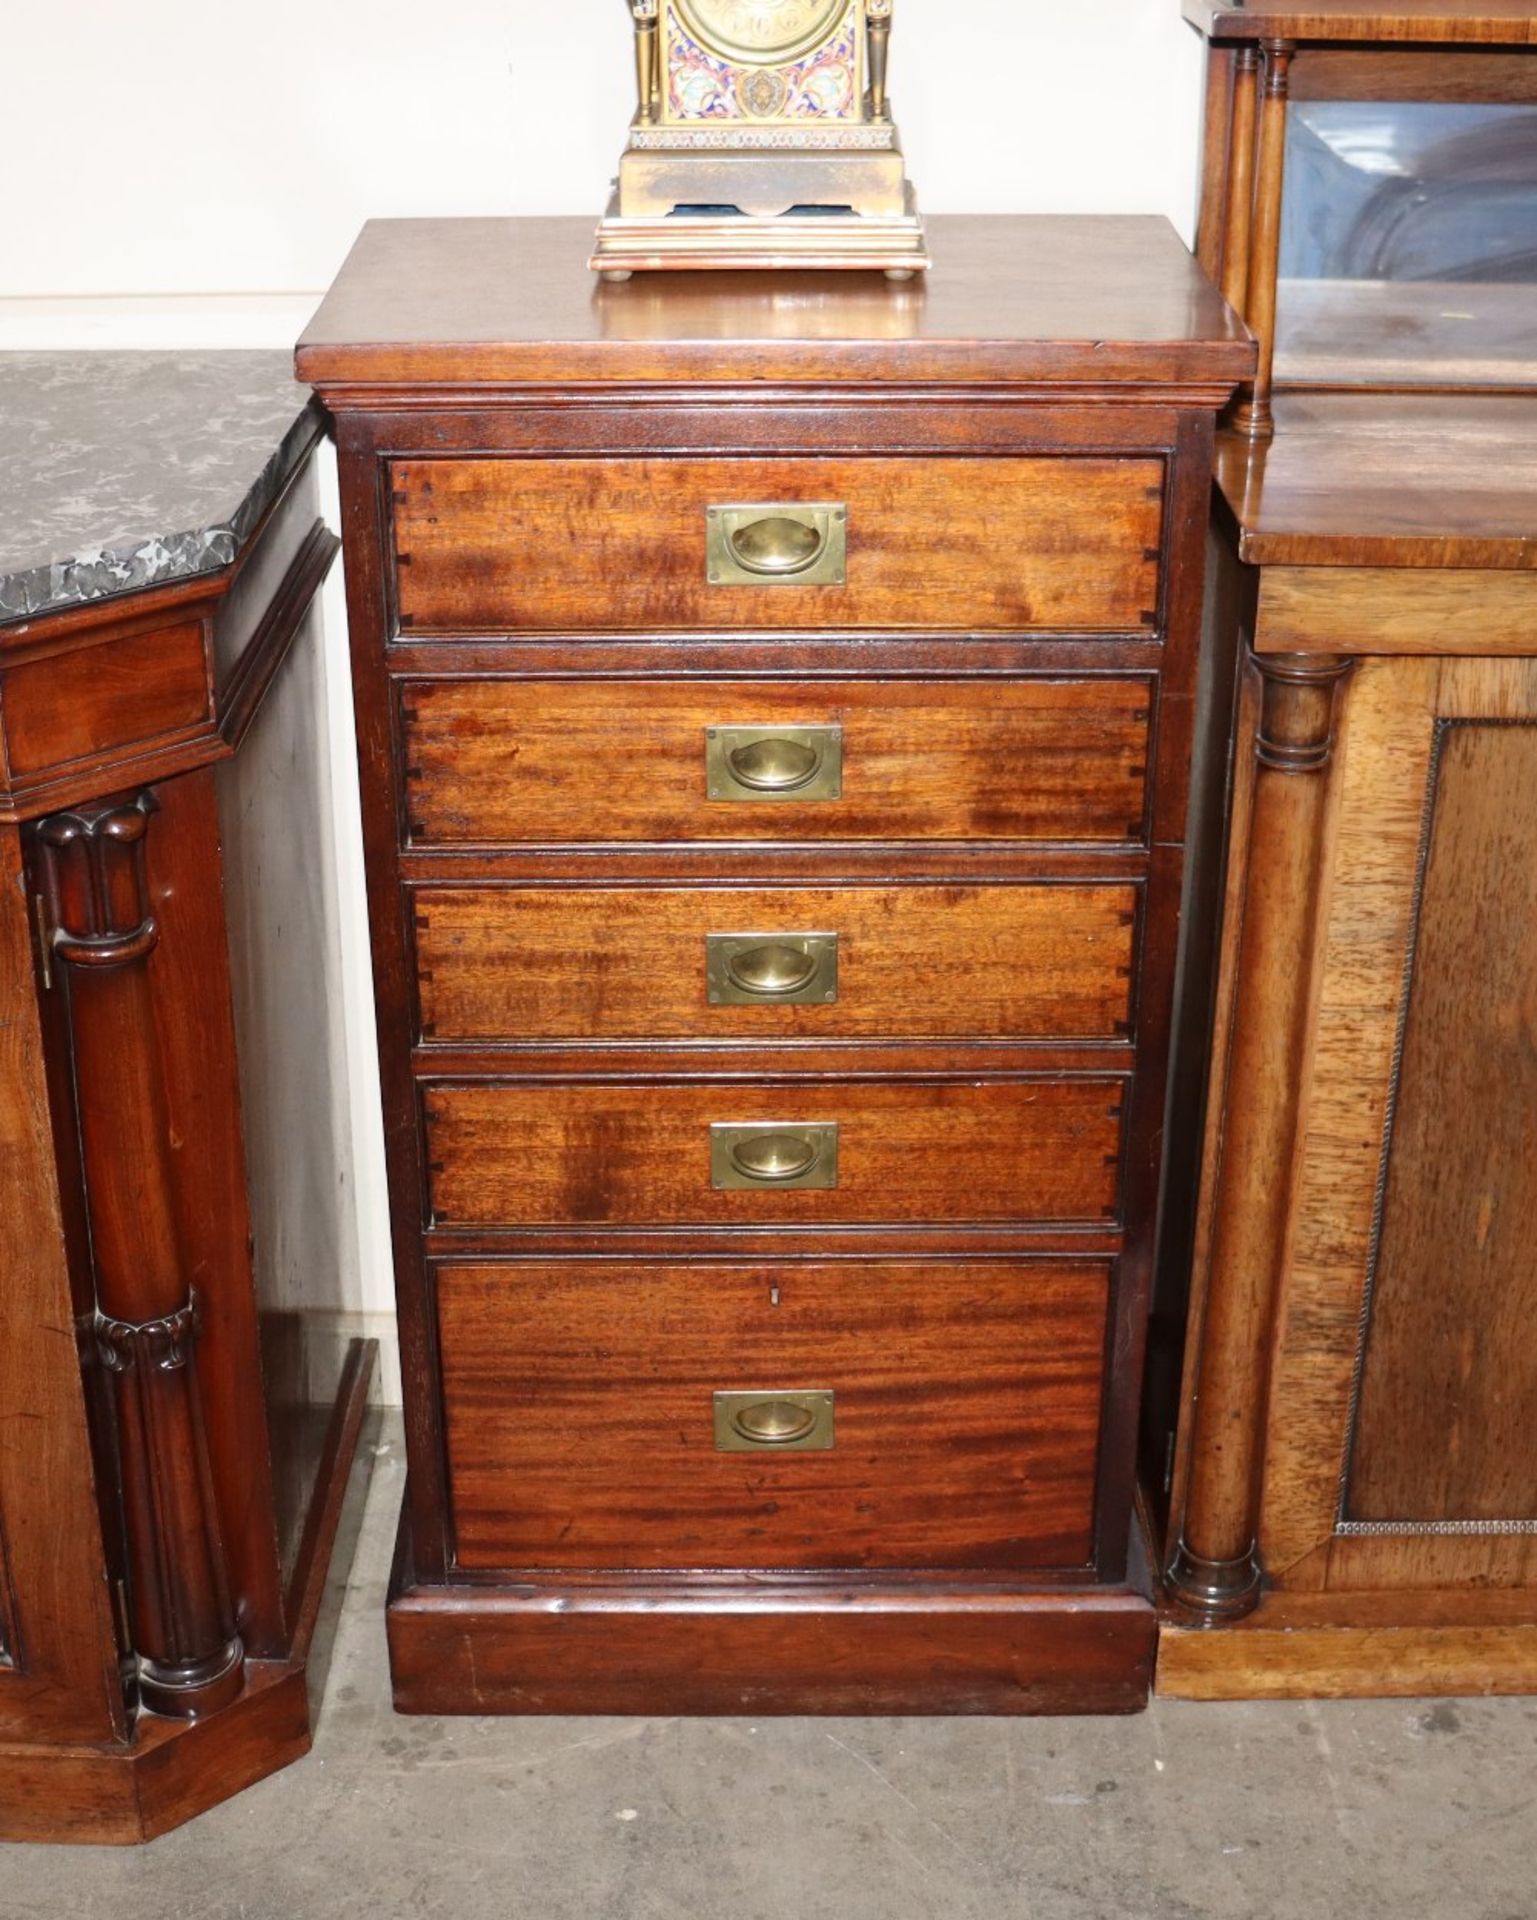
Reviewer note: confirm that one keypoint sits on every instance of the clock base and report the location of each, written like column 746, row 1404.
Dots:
column 893, row 244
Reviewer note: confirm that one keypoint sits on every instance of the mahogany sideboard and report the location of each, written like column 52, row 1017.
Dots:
column 776, row 702
column 168, row 1499
column 1355, row 1495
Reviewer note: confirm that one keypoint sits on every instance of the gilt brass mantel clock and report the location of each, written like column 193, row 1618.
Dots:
column 762, row 137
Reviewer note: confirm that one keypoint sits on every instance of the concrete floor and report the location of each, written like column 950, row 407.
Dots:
column 1350, row 1810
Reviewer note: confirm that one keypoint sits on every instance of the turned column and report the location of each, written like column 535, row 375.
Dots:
column 189, row 1655
column 1238, row 224
column 1252, row 414
column 648, row 77
column 1215, row 1573
column 878, row 14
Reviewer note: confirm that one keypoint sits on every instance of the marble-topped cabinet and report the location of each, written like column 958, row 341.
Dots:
column 169, row 1488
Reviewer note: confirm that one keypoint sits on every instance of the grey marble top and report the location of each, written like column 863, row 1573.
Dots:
column 120, row 471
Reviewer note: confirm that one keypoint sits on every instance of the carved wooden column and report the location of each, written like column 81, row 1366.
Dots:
column 190, row 1657
column 1252, row 414
column 1215, row 1573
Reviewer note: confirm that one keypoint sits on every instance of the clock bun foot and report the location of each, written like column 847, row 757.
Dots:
column 617, row 274
column 901, row 273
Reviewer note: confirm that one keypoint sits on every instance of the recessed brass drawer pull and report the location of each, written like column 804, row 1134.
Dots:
column 792, row 1421
column 780, row 1154
column 774, row 763
column 771, row 969
column 777, row 545
column 774, row 766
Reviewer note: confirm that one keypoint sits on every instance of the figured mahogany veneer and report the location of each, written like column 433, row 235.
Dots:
column 966, row 1410
column 590, row 545
column 518, row 762
column 540, row 657
column 919, row 962
column 506, row 1156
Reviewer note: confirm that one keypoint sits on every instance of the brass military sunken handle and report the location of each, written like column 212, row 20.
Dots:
column 774, row 1423
column 777, row 545
column 775, row 766
column 771, row 969
column 793, row 1419
column 775, row 1156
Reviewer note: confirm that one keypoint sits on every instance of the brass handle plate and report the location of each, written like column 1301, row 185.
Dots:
column 771, row 969
column 747, row 1156
column 789, row 1420
column 773, row 763
column 796, row 544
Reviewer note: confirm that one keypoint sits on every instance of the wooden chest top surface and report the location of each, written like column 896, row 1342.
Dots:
column 1061, row 301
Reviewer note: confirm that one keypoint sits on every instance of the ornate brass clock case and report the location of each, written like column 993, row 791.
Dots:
column 762, row 137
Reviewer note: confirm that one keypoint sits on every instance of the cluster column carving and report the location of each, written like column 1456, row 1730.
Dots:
column 189, row 1655
column 1215, row 1574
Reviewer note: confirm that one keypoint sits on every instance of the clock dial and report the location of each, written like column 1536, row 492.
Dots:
column 761, row 32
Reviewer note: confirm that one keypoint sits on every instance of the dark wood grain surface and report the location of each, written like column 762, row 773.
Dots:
column 824, row 1644
column 1103, row 300
column 914, row 962
column 966, row 1413
column 504, row 1155
column 1449, row 1386
column 517, row 546
column 1388, row 480
column 517, row 761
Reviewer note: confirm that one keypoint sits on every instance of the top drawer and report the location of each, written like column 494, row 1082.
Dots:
column 1061, row 544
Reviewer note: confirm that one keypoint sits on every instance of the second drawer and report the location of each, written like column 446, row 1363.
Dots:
column 644, row 1154
column 997, row 961
column 524, row 762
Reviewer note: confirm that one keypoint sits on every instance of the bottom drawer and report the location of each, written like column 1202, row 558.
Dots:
column 584, row 1427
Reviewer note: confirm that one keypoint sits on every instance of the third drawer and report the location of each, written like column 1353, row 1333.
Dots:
column 993, row 961
column 655, row 1153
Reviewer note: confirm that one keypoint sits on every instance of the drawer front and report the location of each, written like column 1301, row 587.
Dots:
column 639, row 1155
column 580, row 1405
column 99, row 699
column 583, row 546
column 521, row 762
column 910, row 962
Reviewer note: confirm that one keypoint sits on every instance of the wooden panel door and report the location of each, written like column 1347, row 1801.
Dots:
column 1400, row 1445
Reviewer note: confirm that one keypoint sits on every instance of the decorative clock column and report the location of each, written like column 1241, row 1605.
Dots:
column 878, row 12
column 1215, row 1574
column 190, row 1656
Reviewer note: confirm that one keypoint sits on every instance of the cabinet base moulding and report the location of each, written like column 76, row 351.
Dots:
column 170, row 1771
column 768, row 1645
column 1282, row 1653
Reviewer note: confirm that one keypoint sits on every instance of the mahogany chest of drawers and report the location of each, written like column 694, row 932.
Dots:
column 776, row 700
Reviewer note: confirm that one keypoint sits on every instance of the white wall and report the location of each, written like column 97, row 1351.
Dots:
column 194, row 146
column 190, row 173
